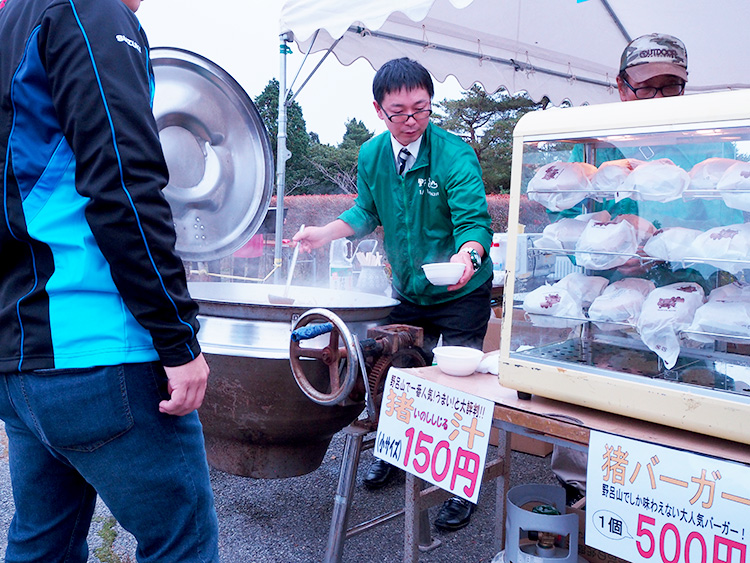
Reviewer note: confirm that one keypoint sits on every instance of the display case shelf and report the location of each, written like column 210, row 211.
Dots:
column 603, row 357
column 612, row 325
column 571, row 253
column 621, row 193
column 718, row 336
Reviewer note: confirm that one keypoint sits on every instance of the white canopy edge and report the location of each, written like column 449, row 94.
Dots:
column 556, row 48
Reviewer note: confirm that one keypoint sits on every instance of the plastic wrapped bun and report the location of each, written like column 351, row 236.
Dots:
column 671, row 244
column 734, row 186
column 611, row 174
column 726, row 248
column 620, row 303
column 553, row 307
column 658, row 180
column 728, row 321
column 727, row 313
column 583, row 288
column 603, row 246
column 563, row 234
column 561, row 185
column 666, row 311
column 644, row 229
column 641, row 285
column 706, row 174
column 731, row 292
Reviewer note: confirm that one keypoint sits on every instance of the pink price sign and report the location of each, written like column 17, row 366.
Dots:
column 646, row 502
column 437, row 433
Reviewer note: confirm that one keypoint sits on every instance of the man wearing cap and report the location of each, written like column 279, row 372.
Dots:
column 652, row 66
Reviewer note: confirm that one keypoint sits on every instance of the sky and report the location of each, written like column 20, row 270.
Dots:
column 242, row 37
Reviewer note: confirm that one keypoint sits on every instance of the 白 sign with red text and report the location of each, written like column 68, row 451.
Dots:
column 437, row 433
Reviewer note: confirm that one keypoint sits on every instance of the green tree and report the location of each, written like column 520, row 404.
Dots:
column 297, row 139
column 356, row 134
column 336, row 167
column 486, row 122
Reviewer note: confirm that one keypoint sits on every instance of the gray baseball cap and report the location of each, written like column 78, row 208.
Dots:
column 654, row 55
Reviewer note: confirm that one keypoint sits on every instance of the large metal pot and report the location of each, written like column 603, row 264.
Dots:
column 256, row 421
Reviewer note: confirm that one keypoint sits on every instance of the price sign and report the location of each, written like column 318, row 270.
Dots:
column 437, row 433
column 650, row 503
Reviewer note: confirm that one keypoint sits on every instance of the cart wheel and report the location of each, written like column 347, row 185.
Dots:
column 341, row 360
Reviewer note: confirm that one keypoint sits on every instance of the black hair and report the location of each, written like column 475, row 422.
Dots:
column 401, row 73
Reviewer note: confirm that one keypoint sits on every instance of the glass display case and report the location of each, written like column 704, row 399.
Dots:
column 627, row 282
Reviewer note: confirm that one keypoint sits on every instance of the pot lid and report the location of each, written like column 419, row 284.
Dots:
column 218, row 153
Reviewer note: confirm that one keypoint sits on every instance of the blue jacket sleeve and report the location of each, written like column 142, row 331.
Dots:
column 96, row 58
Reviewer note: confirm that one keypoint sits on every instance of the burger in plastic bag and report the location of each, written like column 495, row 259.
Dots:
column 734, row 186
column 551, row 306
column 672, row 244
column 563, row 234
column 583, row 288
column 706, row 174
column 731, row 292
column 603, row 246
column 726, row 248
column 659, row 180
column 666, row 311
column 721, row 320
column 561, row 185
column 644, row 229
column 727, row 313
column 611, row 175
column 620, row 303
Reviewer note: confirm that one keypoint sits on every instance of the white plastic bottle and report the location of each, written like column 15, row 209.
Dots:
column 497, row 255
column 340, row 265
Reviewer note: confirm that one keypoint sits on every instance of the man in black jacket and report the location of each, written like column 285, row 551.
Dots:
column 100, row 368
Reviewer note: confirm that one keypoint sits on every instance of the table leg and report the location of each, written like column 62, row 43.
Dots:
column 417, row 531
column 502, row 484
column 343, row 499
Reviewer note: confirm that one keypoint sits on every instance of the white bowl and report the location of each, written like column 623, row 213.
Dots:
column 457, row 360
column 443, row 273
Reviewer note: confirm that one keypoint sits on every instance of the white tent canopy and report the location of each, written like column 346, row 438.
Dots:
column 564, row 49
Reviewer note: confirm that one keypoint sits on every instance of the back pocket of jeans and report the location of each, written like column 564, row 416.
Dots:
column 78, row 409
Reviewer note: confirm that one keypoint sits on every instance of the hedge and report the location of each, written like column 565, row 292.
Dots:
column 321, row 209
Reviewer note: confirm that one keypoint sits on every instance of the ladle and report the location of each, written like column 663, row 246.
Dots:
column 284, row 299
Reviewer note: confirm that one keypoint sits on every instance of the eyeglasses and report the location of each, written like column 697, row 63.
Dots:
column 420, row 115
column 648, row 92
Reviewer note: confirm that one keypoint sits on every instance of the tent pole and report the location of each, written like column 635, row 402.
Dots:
column 317, row 66
column 616, row 21
column 282, row 154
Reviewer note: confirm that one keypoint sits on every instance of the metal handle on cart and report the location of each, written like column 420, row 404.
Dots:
column 311, row 331
column 342, row 361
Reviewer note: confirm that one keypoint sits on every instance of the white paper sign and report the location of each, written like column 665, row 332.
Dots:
column 650, row 503
column 434, row 432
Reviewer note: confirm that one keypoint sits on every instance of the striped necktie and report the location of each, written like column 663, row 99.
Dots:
column 403, row 156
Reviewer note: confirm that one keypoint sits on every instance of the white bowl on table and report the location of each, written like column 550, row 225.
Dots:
column 457, row 360
column 443, row 273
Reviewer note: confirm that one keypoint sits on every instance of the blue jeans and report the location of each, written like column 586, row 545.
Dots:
column 75, row 433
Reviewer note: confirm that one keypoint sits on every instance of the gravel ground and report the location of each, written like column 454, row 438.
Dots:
column 287, row 520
